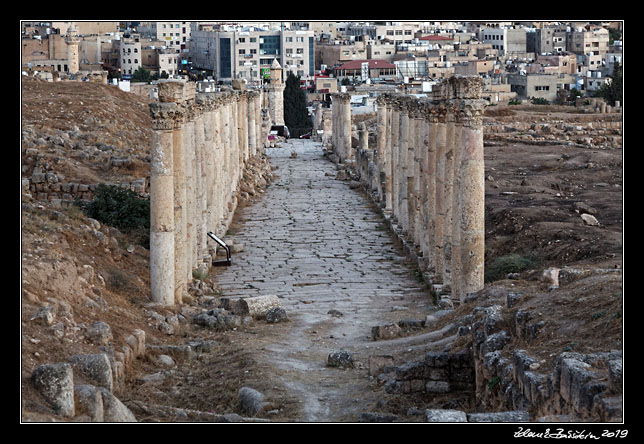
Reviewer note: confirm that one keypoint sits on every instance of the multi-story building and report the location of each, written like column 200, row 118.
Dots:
column 540, row 86
column 249, row 52
column 593, row 42
column 509, row 41
column 130, row 56
column 546, row 40
column 175, row 35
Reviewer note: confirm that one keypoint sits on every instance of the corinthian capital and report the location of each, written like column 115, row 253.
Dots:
column 163, row 115
column 470, row 112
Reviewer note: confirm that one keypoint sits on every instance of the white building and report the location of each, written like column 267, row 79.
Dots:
column 129, row 56
column 248, row 52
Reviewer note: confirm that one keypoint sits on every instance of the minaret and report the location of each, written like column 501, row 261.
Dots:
column 73, row 49
column 276, row 94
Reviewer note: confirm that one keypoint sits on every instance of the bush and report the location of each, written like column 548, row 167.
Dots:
column 540, row 101
column 123, row 209
column 512, row 263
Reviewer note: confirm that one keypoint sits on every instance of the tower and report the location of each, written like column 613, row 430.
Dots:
column 73, row 49
column 276, row 94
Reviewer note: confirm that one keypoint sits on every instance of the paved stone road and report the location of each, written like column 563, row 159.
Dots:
column 319, row 245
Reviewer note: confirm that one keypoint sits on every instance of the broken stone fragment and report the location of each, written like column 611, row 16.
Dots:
column 99, row 333
column 55, row 382
column 385, row 331
column 275, row 315
column 96, row 367
column 251, row 401
column 341, row 359
column 589, row 220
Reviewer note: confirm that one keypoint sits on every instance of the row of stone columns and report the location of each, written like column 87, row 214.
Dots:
column 427, row 170
column 201, row 143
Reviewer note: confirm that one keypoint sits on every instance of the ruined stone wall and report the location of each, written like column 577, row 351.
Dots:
column 427, row 171
column 201, row 144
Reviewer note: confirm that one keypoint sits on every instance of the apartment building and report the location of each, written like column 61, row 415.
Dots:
column 248, row 52
column 130, row 56
column 546, row 40
column 593, row 42
column 175, row 35
column 509, row 41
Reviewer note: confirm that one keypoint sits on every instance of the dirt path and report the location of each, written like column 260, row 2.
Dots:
column 319, row 246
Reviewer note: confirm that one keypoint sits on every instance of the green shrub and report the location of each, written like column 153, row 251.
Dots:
column 539, row 101
column 512, row 263
column 123, row 209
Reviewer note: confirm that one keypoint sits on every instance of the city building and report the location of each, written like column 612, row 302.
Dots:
column 175, row 35
column 248, row 52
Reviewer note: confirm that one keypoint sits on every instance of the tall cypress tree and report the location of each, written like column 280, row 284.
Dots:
column 295, row 113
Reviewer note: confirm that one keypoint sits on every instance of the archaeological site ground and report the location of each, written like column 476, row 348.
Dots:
column 327, row 311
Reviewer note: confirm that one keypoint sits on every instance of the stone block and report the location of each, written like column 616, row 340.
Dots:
column 411, row 370
column 99, row 333
column 512, row 416
column 574, row 377
column 388, row 331
column 55, row 382
column 96, row 367
column 340, row 358
column 89, row 402
column 113, row 409
column 437, row 387
column 377, row 363
column 437, row 359
column 444, row 415
column 615, row 375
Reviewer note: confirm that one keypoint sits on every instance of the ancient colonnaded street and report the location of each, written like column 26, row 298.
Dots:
column 325, row 251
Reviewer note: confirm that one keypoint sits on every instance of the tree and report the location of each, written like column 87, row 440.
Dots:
column 141, row 75
column 296, row 115
column 612, row 91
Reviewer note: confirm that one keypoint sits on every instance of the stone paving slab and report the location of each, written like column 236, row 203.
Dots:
column 319, row 245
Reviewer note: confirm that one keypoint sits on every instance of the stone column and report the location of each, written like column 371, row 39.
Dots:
column 414, row 174
column 346, row 120
column 189, row 152
column 381, row 143
column 387, row 157
column 162, row 284
column 456, row 211
column 403, row 167
column 179, row 161
column 252, row 127
column 441, row 146
column 395, row 143
column 431, row 188
column 472, row 183
column 447, row 195
column 199, row 190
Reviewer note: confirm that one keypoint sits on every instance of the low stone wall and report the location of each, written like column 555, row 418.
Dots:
column 45, row 186
column 578, row 387
column 439, row 372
